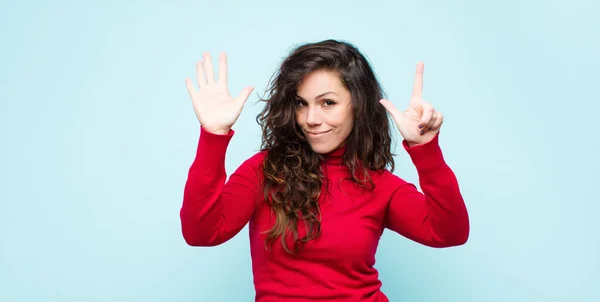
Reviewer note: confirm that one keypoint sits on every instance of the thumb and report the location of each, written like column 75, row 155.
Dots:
column 243, row 96
column 389, row 106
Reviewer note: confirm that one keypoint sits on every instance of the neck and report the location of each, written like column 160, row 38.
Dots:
column 335, row 157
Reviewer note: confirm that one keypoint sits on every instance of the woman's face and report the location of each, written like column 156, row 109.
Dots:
column 324, row 110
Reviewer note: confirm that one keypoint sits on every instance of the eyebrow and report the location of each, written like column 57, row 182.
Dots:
column 320, row 95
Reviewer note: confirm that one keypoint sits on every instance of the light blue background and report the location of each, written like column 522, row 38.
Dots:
column 98, row 133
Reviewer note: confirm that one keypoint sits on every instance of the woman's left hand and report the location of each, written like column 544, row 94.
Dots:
column 420, row 122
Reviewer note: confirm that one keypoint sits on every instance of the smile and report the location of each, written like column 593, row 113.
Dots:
column 317, row 133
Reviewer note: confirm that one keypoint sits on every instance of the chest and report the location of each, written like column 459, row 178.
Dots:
column 351, row 225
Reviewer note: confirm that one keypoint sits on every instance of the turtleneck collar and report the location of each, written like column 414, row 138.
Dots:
column 335, row 157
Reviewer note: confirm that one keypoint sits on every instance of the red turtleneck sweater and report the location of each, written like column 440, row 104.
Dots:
column 338, row 265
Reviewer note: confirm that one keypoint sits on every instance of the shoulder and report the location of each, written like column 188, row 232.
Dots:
column 258, row 157
column 251, row 168
column 255, row 161
column 384, row 179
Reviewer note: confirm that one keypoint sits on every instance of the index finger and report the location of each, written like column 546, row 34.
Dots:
column 418, row 85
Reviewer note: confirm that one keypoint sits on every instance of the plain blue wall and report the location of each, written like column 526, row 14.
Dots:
column 98, row 133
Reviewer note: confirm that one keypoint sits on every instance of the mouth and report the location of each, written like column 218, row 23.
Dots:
column 317, row 133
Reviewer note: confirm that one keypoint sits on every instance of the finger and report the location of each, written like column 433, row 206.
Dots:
column 223, row 67
column 190, row 87
column 243, row 96
column 427, row 115
column 392, row 110
column 418, row 84
column 432, row 121
column 209, row 71
column 438, row 122
column 389, row 106
column 200, row 74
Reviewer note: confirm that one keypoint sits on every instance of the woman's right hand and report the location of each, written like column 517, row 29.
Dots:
column 216, row 110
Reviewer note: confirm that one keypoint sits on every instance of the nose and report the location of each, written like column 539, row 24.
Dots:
column 313, row 117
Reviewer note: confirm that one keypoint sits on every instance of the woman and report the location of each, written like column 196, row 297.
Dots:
column 318, row 195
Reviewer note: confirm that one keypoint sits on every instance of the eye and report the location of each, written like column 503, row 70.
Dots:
column 328, row 103
column 300, row 103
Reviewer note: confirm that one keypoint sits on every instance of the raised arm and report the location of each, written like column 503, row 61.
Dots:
column 214, row 210
column 437, row 217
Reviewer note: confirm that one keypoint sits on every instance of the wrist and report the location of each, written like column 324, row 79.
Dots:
column 218, row 131
column 412, row 144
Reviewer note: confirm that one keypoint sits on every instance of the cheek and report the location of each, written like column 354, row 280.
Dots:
column 299, row 118
column 347, row 123
column 344, row 126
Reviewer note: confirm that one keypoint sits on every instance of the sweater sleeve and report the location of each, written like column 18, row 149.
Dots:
column 437, row 217
column 213, row 210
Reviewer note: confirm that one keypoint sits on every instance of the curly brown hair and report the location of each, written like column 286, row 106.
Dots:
column 292, row 170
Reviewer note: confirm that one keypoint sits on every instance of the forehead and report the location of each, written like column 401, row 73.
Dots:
column 321, row 81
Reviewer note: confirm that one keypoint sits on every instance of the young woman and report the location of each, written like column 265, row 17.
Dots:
column 319, row 194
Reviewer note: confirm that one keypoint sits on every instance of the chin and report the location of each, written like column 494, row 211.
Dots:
column 323, row 148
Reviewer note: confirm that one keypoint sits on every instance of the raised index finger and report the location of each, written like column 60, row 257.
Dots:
column 418, row 85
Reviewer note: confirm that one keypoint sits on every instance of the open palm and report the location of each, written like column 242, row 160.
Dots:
column 215, row 108
column 420, row 122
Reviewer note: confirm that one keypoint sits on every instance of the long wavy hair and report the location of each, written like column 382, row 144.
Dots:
column 292, row 170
